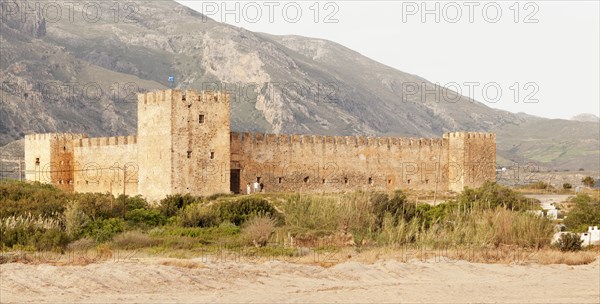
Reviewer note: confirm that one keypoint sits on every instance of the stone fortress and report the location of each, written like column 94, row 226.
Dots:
column 184, row 145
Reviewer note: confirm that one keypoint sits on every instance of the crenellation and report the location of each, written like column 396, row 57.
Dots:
column 259, row 138
column 328, row 140
column 317, row 139
column 284, row 139
column 339, row 140
column 246, row 138
column 271, row 139
column 294, row 139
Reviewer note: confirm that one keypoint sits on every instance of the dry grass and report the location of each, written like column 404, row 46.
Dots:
column 134, row 239
column 183, row 264
column 258, row 230
column 503, row 255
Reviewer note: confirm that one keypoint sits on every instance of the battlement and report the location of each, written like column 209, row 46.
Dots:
column 105, row 141
column 159, row 97
column 469, row 135
column 55, row 136
column 257, row 138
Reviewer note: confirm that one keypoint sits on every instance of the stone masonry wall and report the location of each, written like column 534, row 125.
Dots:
column 200, row 143
column 338, row 163
column 49, row 159
column 154, row 144
column 107, row 164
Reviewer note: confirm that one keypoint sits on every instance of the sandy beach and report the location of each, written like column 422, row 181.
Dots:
column 160, row 280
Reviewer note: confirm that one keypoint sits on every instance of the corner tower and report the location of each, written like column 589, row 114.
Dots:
column 183, row 143
column 49, row 159
column 471, row 159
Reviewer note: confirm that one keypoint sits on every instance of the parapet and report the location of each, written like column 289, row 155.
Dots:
column 469, row 135
column 259, row 138
column 105, row 141
column 55, row 136
column 156, row 97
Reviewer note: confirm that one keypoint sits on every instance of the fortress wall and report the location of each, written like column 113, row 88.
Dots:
column 106, row 164
column 339, row 163
column 49, row 158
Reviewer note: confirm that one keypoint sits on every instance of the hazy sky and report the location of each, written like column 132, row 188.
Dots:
column 550, row 48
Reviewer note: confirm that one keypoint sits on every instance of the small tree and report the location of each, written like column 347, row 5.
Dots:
column 588, row 181
column 567, row 186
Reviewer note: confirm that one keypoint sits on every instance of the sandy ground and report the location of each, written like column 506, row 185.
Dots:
column 195, row 281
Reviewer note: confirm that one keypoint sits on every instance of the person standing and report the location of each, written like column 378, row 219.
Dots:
column 248, row 190
column 256, row 185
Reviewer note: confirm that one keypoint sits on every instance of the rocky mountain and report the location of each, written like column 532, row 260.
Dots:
column 73, row 74
column 586, row 117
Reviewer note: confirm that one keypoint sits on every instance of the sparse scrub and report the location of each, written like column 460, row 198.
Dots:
column 134, row 240
column 489, row 217
column 588, row 181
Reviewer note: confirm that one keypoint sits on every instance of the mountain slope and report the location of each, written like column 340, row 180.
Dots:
column 286, row 84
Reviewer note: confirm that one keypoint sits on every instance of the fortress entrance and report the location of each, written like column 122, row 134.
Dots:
column 234, row 184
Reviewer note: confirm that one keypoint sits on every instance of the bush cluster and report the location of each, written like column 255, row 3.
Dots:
column 491, row 195
column 569, row 242
column 585, row 212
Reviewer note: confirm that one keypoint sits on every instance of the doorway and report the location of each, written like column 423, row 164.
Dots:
column 234, row 184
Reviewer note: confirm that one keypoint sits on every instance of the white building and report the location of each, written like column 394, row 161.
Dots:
column 591, row 237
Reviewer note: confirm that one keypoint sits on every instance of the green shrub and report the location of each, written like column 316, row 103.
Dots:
column 100, row 206
column 146, row 217
column 397, row 206
column 569, row 242
column 588, row 181
column 170, row 205
column 36, row 199
column 586, row 212
column 103, row 230
column 75, row 219
column 38, row 232
column 133, row 202
column 539, row 185
column 491, row 195
column 239, row 211
column 567, row 186
column 196, row 215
